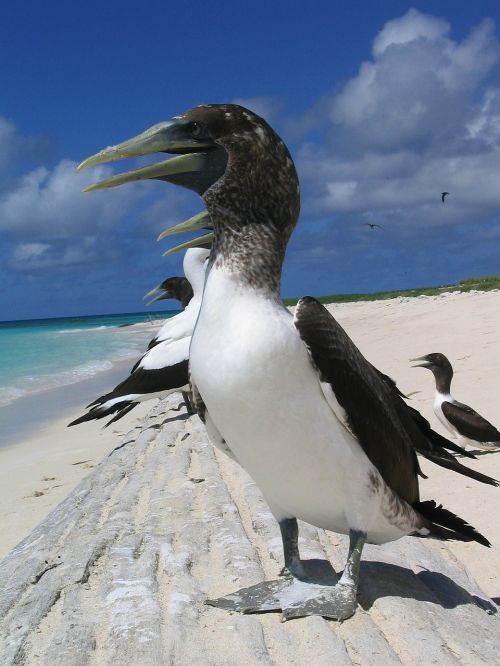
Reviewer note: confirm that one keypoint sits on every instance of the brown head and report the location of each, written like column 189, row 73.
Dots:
column 440, row 367
column 241, row 168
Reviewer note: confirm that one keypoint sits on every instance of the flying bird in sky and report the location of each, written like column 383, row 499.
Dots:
column 443, row 195
column 372, row 225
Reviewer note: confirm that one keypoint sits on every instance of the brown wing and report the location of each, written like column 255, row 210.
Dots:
column 469, row 423
column 389, row 430
column 372, row 412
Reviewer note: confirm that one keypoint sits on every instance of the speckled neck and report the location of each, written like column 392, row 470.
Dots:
column 254, row 208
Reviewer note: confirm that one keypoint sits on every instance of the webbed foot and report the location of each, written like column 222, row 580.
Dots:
column 295, row 598
column 317, row 592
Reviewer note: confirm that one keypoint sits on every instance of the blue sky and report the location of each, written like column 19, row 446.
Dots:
column 382, row 108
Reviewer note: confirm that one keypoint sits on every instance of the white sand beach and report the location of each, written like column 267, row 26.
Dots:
column 37, row 473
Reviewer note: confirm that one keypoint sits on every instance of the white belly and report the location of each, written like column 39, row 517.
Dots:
column 462, row 440
column 259, row 386
column 438, row 411
column 439, row 398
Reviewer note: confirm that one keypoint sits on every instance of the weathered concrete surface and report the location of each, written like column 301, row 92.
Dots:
column 118, row 572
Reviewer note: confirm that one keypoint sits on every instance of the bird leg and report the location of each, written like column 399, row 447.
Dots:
column 189, row 407
column 310, row 595
column 337, row 602
column 290, row 537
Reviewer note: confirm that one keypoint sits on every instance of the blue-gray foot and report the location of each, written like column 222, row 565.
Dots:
column 294, row 598
column 307, row 596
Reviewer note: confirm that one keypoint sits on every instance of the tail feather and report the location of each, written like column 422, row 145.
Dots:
column 446, row 525
column 453, row 464
column 121, row 413
column 444, row 443
column 101, row 411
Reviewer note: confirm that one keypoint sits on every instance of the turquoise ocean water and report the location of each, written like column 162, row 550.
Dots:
column 41, row 354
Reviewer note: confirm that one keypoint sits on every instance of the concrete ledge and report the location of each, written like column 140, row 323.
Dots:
column 118, row 572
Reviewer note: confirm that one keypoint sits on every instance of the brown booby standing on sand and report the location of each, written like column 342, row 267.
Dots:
column 327, row 438
column 469, row 427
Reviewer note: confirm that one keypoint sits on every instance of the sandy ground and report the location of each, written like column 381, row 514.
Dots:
column 465, row 327
column 46, row 460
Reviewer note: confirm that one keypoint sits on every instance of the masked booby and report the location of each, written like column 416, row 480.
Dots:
column 465, row 424
column 163, row 369
column 178, row 288
column 325, row 436
column 182, row 325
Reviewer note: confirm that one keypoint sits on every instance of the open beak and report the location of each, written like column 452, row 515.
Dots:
column 161, row 296
column 198, row 221
column 194, row 242
column 426, row 363
column 158, row 292
column 199, row 162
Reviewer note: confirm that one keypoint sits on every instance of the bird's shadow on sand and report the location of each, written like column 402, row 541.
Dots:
column 380, row 579
column 154, row 426
column 171, row 419
column 483, row 452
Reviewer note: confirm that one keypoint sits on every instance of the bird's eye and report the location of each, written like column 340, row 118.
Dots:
column 195, row 130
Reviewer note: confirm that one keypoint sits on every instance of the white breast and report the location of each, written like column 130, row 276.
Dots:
column 181, row 325
column 262, row 392
column 439, row 398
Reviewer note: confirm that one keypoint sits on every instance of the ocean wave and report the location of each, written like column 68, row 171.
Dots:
column 50, row 361
column 40, row 383
column 84, row 330
column 9, row 394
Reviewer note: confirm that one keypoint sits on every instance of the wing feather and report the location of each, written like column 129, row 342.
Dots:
column 372, row 407
column 469, row 423
column 365, row 398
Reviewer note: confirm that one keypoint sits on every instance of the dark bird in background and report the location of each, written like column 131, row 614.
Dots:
column 372, row 225
column 443, row 195
column 465, row 424
column 173, row 287
column 327, row 437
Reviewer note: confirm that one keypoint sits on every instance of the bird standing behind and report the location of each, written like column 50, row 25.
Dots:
column 469, row 427
column 173, row 287
column 163, row 369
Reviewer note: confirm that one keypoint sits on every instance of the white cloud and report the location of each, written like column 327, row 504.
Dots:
column 28, row 251
column 485, row 124
column 8, row 141
column 36, row 257
column 266, row 106
column 45, row 205
column 418, row 88
column 14, row 146
column 413, row 25
column 420, row 118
